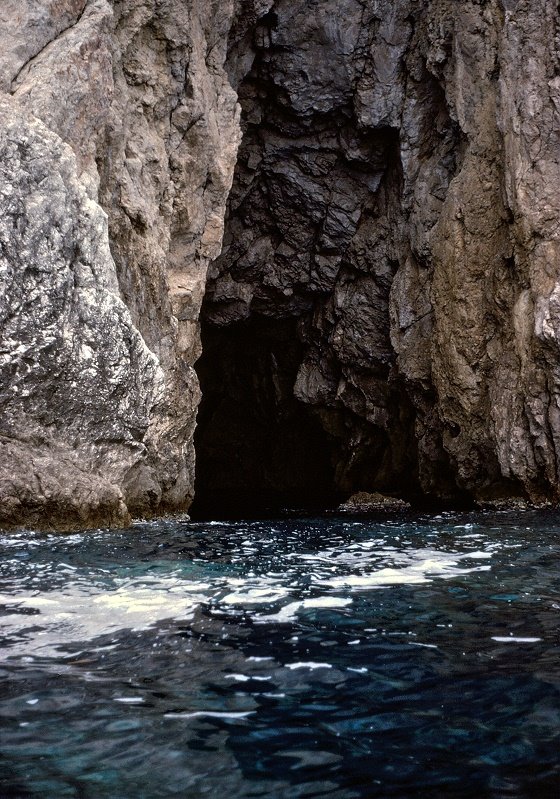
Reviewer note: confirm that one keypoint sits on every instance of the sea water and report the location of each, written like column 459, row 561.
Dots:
column 295, row 657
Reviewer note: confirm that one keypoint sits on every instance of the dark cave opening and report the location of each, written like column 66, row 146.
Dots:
column 303, row 282
column 258, row 449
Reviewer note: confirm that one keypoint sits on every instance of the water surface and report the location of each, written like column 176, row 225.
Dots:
column 328, row 657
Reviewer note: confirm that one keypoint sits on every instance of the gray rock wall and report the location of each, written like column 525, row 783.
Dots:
column 118, row 141
column 396, row 193
column 394, row 203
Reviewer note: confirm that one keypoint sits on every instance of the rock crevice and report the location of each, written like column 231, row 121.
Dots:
column 357, row 201
column 381, row 198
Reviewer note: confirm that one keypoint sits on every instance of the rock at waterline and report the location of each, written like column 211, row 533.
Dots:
column 364, row 502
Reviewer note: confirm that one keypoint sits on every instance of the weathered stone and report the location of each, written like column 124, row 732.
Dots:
column 362, row 502
column 401, row 203
column 389, row 265
column 124, row 107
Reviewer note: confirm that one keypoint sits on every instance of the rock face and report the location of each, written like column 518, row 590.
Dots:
column 395, row 202
column 384, row 314
column 362, row 502
column 118, row 139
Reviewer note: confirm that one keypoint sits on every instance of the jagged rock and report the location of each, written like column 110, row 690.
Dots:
column 119, row 132
column 47, row 486
column 388, row 284
column 362, row 502
column 401, row 205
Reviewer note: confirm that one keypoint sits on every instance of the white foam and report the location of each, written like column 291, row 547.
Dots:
column 247, row 677
column 512, row 639
column 81, row 613
column 212, row 714
column 129, row 700
column 254, row 596
column 412, row 567
column 327, row 602
column 289, row 612
column 283, row 616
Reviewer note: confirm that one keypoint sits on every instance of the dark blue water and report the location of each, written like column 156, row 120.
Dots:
column 294, row 658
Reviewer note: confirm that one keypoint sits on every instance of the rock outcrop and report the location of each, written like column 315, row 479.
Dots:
column 362, row 502
column 395, row 197
column 118, row 138
column 384, row 314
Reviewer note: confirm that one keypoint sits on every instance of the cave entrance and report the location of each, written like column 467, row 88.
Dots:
column 258, row 450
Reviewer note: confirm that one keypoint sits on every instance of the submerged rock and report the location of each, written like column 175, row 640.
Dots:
column 362, row 502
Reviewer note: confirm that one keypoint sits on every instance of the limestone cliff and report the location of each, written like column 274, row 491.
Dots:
column 395, row 203
column 118, row 138
column 385, row 311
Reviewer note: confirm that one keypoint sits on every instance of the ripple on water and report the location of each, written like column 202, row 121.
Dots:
column 299, row 657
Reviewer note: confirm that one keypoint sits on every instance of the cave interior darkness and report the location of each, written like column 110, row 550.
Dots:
column 258, row 448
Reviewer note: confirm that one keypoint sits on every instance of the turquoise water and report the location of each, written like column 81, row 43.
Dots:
column 328, row 657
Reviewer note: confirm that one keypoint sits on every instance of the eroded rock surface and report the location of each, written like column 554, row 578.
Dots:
column 384, row 314
column 118, row 139
column 395, row 194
